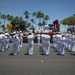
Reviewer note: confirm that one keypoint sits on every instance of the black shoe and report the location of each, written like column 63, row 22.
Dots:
column 42, row 53
column 0, row 51
column 58, row 54
column 47, row 54
column 11, row 54
column 26, row 53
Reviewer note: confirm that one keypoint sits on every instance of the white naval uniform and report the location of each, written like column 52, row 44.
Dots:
column 43, row 42
column 69, row 43
column 72, row 43
column 15, row 41
column 73, row 48
column 18, row 43
column 54, row 41
column 67, row 36
column 30, row 44
column 38, row 39
column 58, row 36
column 0, row 41
column 21, row 39
column 7, row 40
column 62, row 46
column 3, row 42
column 47, row 44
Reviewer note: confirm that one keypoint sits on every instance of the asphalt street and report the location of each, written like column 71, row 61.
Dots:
column 37, row 64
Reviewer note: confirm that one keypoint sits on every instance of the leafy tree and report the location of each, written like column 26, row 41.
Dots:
column 70, row 21
column 19, row 24
column 15, row 23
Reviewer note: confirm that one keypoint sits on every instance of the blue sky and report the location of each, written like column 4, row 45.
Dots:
column 56, row 9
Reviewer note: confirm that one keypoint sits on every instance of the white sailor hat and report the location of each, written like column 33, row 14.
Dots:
column 2, row 35
column 45, row 31
column 14, row 32
column 20, row 31
column 69, row 32
column 6, row 34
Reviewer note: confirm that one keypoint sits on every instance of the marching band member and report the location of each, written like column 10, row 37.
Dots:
column 7, row 40
column 43, row 41
column 30, row 43
column 2, row 42
column 71, row 42
column 21, row 38
column 54, row 41
column 58, row 36
column 47, row 43
column 62, row 46
column 38, row 38
column 15, row 41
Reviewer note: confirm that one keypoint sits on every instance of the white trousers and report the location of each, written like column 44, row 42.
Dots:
column 30, row 49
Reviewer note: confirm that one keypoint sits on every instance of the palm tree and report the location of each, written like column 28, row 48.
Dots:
column 40, row 16
column 3, row 16
column 0, row 22
column 46, row 18
column 22, row 24
column 26, row 14
column 35, row 15
column 9, row 17
column 27, row 25
column 43, row 23
column 3, row 27
column 32, row 20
